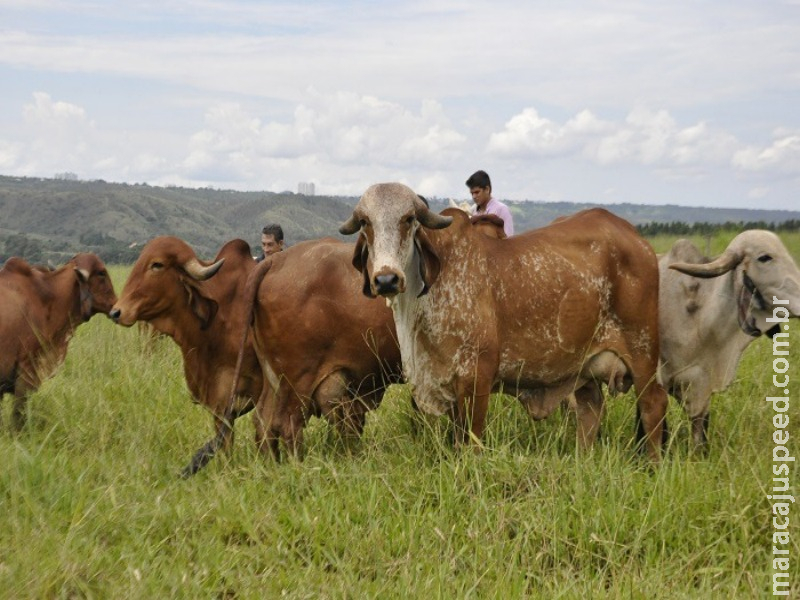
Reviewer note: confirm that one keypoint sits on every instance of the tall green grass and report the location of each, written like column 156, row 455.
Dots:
column 92, row 505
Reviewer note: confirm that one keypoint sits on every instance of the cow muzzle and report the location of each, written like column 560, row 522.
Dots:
column 388, row 284
column 116, row 315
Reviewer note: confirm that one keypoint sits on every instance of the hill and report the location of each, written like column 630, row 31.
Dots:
column 51, row 219
column 58, row 218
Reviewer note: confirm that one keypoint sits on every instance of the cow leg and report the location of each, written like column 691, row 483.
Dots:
column 355, row 415
column 700, row 432
column 696, row 403
column 202, row 457
column 417, row 418
column 469, row 412
column 589, row 408
column 651, row 415
column 291, row 427
column 223, row 439
column 19, row 413
column 338, row 405
column 285, row 420
column 267, row 436
column 281, row 417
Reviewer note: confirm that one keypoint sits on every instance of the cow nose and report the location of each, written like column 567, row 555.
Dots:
column 115, row 314
column 387, row 283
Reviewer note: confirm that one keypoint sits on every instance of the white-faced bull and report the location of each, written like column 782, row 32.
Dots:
column 566, row 307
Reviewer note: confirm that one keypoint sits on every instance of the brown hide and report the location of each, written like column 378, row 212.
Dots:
column 39, row 311
column 546, row 312
column 326, row 349
column 203, row 317
column 490, row 225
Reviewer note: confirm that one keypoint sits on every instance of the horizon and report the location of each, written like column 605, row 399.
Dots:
column 79, row 180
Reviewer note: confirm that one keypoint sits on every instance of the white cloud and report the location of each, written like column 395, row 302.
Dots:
column 529, row 134
column 758, row 193
column 44, row 112
column 59, row 137
column 781, row 156
column 646, row 137
column 9, row 154
column 342, row 129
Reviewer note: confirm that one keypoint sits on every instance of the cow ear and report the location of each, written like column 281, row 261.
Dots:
column 83, row 275
column 360, row 260
column 360, row 254
column 429, row 263
column 202, row 307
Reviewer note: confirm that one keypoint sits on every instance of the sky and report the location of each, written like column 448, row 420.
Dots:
column 694, row 103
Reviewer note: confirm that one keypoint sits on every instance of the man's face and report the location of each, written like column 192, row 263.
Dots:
column 269, row 245
column 481, row 195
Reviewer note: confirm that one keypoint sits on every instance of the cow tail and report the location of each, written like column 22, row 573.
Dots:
column 251, row 286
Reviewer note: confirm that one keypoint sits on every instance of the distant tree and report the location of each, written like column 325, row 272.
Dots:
column 24, row 247
column 654, row 228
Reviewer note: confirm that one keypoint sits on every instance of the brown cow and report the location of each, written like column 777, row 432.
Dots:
column 549, row 311
column 39, row 310
column 196, row 304
column 324, row 348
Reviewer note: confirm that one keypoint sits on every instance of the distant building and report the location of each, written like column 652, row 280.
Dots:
column 306, row 188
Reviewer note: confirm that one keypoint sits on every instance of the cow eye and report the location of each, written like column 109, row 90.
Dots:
column 409, row 219
column 157, row 266
column 764, row 258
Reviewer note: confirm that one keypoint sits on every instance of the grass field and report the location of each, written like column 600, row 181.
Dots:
column 92, row 505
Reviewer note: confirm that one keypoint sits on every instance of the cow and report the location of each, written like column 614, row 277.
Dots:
column 197, row 305
column 39, row 311
column 325, row 349
column 706, row 321
column 553, row 310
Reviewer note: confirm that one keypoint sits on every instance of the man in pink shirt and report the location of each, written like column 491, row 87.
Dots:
column 480, row 186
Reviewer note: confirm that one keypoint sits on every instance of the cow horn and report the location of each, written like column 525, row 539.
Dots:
column 350, row 226
column 430, row 219
column 200, row 272
column 719, row 266
column 83, row 274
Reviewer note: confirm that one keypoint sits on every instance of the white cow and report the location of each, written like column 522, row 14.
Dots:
column 706, row 324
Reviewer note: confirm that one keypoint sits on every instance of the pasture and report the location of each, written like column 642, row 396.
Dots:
column 92, row 505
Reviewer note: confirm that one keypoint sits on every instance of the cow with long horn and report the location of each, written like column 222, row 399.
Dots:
column 707, row 320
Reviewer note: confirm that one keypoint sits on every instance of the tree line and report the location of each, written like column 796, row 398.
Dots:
column 702, row 228
column 35, row 251
column 113, row 251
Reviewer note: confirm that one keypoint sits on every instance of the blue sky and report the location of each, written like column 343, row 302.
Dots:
column 691, row 103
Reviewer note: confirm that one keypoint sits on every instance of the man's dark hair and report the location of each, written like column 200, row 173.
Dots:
column 479, row 179
column 274, row 230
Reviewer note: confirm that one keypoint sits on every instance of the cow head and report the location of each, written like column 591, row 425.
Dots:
column 765, row 277
column 95, row 288
column 164, row 278
column 392, row 243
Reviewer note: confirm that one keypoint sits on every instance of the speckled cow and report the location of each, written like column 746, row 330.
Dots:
column 562, row 308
